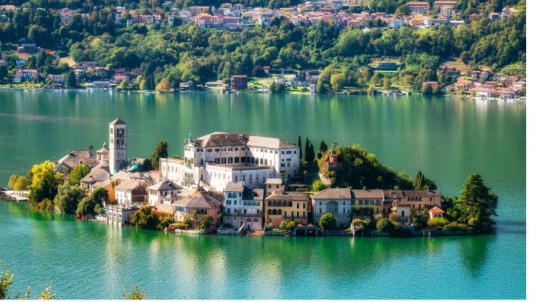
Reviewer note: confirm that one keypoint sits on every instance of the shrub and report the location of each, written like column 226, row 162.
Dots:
column 291, row 225
column 283, row 225
column 394, row 217
column 378, row 217
column 462, row 227
column 328, row 222
column 269, row 226
column 357, row 221
column 436, row 223
column 385, row 225
column 474, row 223
column 451, row 227
column 318, row 185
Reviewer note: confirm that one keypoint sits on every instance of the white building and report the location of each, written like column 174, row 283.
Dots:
column 118, row 145
column 334, row 201
column 132, row 191
column 243, row 206
column 219, row 158
column 164, row 192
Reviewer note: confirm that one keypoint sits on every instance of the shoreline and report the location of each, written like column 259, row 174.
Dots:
column 329, row 233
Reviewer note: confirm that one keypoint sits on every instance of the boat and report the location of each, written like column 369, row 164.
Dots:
column 80, row 217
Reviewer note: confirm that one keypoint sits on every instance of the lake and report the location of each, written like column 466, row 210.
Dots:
column 445, row 138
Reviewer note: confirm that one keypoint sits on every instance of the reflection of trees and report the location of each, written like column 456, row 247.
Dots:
column 474, row 251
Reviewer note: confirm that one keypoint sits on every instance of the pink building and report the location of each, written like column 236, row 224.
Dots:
column 204, row 202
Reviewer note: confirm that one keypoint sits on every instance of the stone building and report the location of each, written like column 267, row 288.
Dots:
column 118, row 152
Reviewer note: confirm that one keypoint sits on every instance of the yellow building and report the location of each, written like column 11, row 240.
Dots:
column 290, row 206
column 362, row 199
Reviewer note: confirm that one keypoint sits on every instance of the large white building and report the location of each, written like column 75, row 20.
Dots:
column 243, row 205
column 219, row 158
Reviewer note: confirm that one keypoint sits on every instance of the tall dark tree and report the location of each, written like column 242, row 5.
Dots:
column 323, row 147
column 159, row 152
column 299, row 145
column 479, row 197
column 70, row 79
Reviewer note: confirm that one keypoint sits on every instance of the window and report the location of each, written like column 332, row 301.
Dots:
column 258, row 211
column 244, row 211
column 236, row 149
column 243, row 177
column 377, row 202
column 360, row 202
column 217, row 150
column 366, row 202
column 250, row 177
column 282, row 165
column 352, row 202
column 294, row 151
column 419, row 206
column 344, row 203
column 197, row 149
column 292, row 214
column 289, row 152
column 304, row 205
column 297, row 214
column 303, row 214
column 234, row 195
column 243, row 159
column 257, row 177
column 209, row 150
column 402, row 213
column 320, row 204
column 230, row 160
column 229, row 194
column 297, row 205
column 237, row 159
column 285, row 214
column 276, row 152
column 430, row 198
column 377, row 210
column 262, row 160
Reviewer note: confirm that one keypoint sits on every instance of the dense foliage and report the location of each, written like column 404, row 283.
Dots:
column 190, row 53
column 328, row 222
column 79, row 172
column 68, row 197
column 145, row 218
column 160, row 151
column 45, row 182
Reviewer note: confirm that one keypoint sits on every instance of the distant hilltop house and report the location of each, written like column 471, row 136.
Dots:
column 386, row 66
column 24, row 74
column 28, row 48
column 418, row 7
column 239, row 82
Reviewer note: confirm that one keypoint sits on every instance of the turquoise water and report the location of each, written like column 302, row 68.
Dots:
column 447, row 139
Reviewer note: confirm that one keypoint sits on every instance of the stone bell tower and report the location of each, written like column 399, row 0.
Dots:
column 118, row 145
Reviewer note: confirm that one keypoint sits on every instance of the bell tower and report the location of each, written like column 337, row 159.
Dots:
column 118, row 145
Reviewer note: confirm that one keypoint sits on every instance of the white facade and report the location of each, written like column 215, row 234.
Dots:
column 219, row 158
column 118, row 145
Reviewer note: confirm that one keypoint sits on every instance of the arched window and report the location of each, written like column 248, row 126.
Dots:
column 217, row 160
column 279, row 203
column 284, row 203
column 250, row 177
column 290, row 203
column 262, row 160
column 274, row 212
column 269, row 203
column 278, row 212
column 223, row 160
column 234, row 195
column 237, row 160
column 230, row 160
column 257, row 177
column 258, row 203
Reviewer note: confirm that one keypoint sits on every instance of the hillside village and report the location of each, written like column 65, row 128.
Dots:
column 24, row 66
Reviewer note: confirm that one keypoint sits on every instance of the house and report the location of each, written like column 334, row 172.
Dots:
column 131, row 192
column 448, row 11
column 98, row 177
column 432, row 84
column 436, row 212
column 100, row 71
column 90, row 64
column 69, row 162
column 120, row 72
column 56, row 78
column 507, row 11
column 494, row 16
column 510, row 80
column 266, row 69
column 164, row 192
column 8, row 7
column 438, row 5
column 102, row 84
column 135, row 71
column 238, row 7
column 79, row 73
column 335, row 201
column 520, row 83
column 366, row 198
column 239, row 82
column 120, row 9
column 195, row 10
column 205, row 203
column 395, row 23
column 218, row 83
column 186, row 85
column 28, row 48
column 289, row 206
column 386, row 66
column 24, row 74
column 412, row 199
column 418, row 7
column 121, row 78
column 312, row 88
column 275, row 184
column 243, row 206
column 474, row 17
column 453, row 70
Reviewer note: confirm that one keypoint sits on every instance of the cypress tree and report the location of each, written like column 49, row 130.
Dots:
column 299, row 145
column 323, row 147
column 419, row 181
column 306, row 151
column 311, row 154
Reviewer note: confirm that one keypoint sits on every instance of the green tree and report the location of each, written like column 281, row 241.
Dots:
column 371, row 89
column 86, row 207
column 299, row 145
column 393, row 217
column 143, row 85
column 318, row 185
column 159, row 152
column 427, row 89
column 207, row 222
column 79, row 172
column 21, row 184
column 12, row 180
column 68, row 197
column 100, row 195
column 479, row 198
column 45, row 183
column 123, row 85
column 386, row 83
column 323, row 147
column 70, row 80
column 403, row 10
column 3, row 72
column 465, row 57
column 328, row 222
column 338, row 81
column 385, row 225
column 145, row 218
column 195, row 218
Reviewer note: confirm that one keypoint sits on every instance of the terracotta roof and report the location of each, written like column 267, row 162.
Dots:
column 437, row 210
column 96, row 175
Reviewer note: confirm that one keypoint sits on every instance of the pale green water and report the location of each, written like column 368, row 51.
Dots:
column 445, row 138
